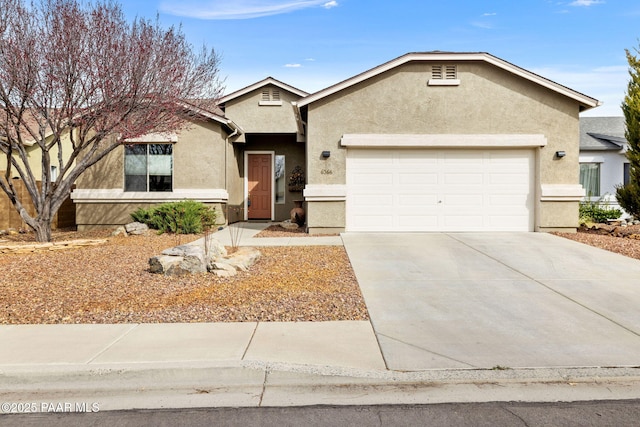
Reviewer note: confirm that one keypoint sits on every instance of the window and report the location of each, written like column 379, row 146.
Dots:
column 279, row 179
column 625, row 174
column 590, row 178
column 148, row 167
column 54, row 173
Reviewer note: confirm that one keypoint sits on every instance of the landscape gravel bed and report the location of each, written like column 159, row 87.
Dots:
column 110, row 283
column 622, row 245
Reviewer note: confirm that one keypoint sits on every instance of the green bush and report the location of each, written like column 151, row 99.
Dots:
column 186, row 217
column 596, row 212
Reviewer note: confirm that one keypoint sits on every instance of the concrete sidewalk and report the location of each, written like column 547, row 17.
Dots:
column 127, row 366
column 244, row 235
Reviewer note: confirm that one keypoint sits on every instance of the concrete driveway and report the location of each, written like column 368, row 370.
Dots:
column 487, row 300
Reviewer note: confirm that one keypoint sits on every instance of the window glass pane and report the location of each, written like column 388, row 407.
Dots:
column 625, row 179
column 135, row 168
column 160, row 183
column 160, row 167
column 279, row 178
column 590, row 178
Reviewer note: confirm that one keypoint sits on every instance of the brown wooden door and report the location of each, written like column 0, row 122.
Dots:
column 259, row 177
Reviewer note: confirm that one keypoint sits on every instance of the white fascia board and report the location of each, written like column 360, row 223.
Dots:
column 591, row 159
column 481, row 56
column 444, row 140
column 260, row 84
column 561, row 192
column 325, row 193
column 117, row 195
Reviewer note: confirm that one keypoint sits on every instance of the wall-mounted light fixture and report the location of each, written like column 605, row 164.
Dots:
column 326, row 154
column 560, row 154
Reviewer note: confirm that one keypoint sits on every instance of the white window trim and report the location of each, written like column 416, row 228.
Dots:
column 117, row 195
column 269, row 103
column 591, row 159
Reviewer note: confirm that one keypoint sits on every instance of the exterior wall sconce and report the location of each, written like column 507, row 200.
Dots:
column 560, row 154
column 326, row 154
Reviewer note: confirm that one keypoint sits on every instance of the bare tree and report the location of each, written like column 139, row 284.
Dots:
column 80, row 75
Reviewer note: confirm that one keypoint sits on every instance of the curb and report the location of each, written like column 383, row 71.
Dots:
column 258, row 384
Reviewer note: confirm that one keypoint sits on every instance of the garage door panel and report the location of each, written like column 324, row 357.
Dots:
column 439, row 190
column 417, row 178
column 417, row 201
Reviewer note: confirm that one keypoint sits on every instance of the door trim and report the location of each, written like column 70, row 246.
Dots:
column 246, row 182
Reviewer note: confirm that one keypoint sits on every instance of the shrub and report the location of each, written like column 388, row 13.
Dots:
column 186, row 217
column 596, row 212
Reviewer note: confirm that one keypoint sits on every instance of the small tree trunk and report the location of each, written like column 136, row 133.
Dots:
column 43, row 231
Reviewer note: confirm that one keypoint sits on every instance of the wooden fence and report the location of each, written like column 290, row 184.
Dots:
column 9, row 217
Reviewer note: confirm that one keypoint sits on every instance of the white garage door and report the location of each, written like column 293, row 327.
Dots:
column 439, row 190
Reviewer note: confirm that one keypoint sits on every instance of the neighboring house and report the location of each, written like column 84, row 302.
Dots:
column 603, row 162
column 9, row 216
column 431, row 141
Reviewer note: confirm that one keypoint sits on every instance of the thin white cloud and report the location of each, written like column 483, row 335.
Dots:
column 489, row 14
column 238, row 9
column 585, row 2
column 310, row 59
column 293, row 65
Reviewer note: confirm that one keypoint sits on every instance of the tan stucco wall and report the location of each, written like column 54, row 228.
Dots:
column 488, row 100
column 109, row 215
column 325, row 217
column 199, row 160
column 254, row 118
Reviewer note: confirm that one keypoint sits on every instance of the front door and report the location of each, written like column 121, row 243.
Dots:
column 259, row 178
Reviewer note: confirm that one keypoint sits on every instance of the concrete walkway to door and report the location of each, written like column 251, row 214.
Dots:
column 487, row 300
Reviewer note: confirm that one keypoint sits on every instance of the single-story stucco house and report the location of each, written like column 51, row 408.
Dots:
column 603, row 161
column 432, row 141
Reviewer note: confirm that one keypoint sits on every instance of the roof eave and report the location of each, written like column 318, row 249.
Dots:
column 258, row 85
column 586, row 102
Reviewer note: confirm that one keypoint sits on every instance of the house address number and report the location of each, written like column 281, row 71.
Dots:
column 326, row 172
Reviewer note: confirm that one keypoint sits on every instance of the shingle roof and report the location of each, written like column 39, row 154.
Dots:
column 602, row 133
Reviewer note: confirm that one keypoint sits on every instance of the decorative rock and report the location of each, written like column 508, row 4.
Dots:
column 119, row 231
column 136, row 228
column 191, row 258
column 214, row 248
column 289, row 225
column 170, row 265
column 243, row 258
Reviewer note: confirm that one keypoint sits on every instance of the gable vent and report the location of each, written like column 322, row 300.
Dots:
column 444, row 75
column 450, row 72
column 266, row 95
column 275, row 95
column 436, row 72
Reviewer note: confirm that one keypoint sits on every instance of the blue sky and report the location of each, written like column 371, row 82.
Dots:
column 312, row 44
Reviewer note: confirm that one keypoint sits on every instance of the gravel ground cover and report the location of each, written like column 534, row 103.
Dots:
column 623, row 245
column 110, row 283
column 279, row 231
